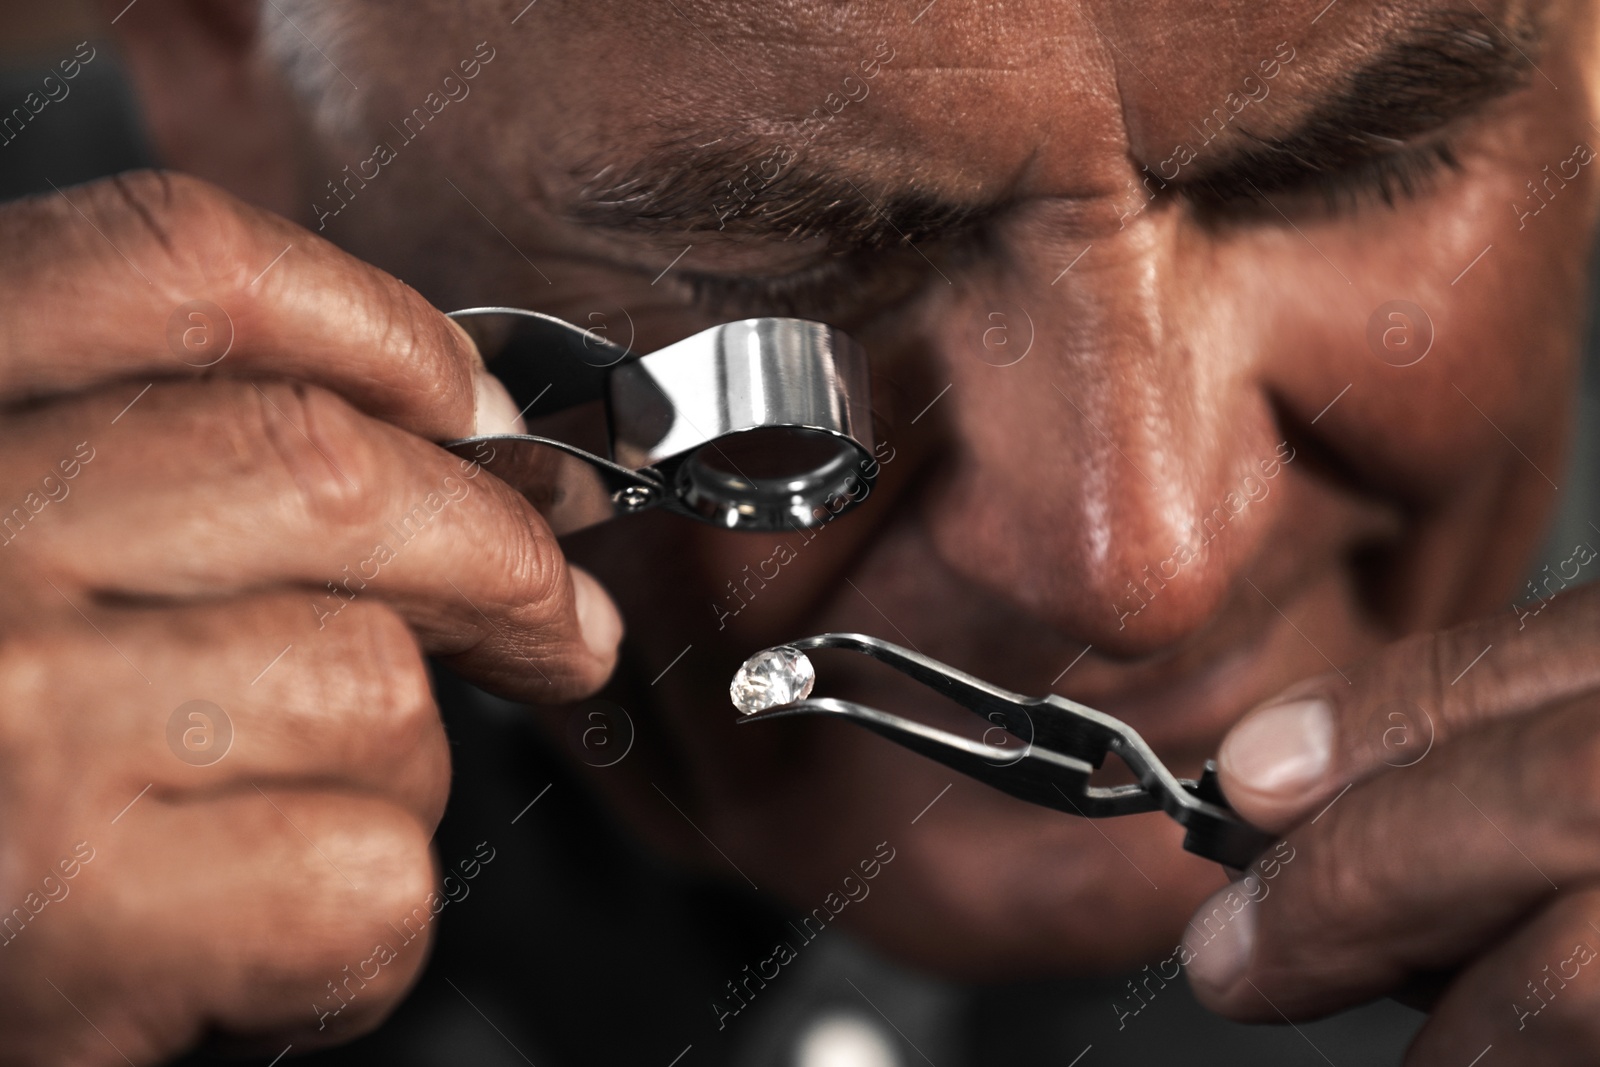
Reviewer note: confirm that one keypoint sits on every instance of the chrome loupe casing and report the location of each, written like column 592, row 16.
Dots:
column 761, row 424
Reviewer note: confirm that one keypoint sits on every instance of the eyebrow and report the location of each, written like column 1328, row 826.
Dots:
column 1445, row 67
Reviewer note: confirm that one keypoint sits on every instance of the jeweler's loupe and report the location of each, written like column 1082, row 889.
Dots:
column 761, row 424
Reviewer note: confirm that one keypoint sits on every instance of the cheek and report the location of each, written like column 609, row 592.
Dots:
column 1444, row 326
column 1429, row 351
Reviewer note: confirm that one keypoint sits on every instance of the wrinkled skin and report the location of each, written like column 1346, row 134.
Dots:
column 1165, row 368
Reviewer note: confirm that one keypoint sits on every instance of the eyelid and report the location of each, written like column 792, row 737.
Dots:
column 1390, row 130
column 852, row 281
column 782, row 292
column 831, row 289
column 1403, row 172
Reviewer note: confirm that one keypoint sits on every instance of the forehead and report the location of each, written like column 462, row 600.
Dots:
column 969, row 96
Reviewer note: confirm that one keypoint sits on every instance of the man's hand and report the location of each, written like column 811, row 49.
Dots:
column 217, row 486
column 1442, row 809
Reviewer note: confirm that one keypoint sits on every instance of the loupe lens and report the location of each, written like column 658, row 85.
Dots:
column 774, row 478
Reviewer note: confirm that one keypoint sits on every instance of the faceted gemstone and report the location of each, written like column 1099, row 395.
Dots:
column 780, row 675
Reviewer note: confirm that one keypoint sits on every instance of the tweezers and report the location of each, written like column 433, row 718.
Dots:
column 1063, row 743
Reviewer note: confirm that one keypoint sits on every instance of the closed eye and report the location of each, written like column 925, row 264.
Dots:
column 1404, row 173
column 1385, row 135
column 837, row 289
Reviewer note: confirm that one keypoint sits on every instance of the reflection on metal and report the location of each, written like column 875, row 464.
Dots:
column 1063, row 743
column 761, row 424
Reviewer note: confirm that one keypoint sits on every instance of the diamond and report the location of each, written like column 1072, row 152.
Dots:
column 780, row 675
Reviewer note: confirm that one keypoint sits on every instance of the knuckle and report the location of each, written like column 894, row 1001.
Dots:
column 1577, row 763
column 412, row 335
column 358, row 959
column 310, row 445
column 27, row 670
column 410, row 882
column 1328, row 891
column 389, row 647
column 199, row 229
column 400, row 331
column 398, row 865
column 1410, row 665
column 156, row 200
column 533, row 564
column 140, row 198
column 1550, row 991
column 389, row 864
column 38, row 669
column 1446, row 655
column 1399, row 702
column 396, row 690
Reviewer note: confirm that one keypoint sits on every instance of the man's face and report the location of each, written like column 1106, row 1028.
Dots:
column 1213, row 346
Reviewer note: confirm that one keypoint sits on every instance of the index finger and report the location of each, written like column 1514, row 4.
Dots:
column 152, row 274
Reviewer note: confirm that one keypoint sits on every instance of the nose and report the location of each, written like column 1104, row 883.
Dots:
column 1113, row 463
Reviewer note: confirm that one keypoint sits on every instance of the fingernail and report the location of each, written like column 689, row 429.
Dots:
column 494, row 412
column 1284, row 749
column 1221, row 936
column 598, row 618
